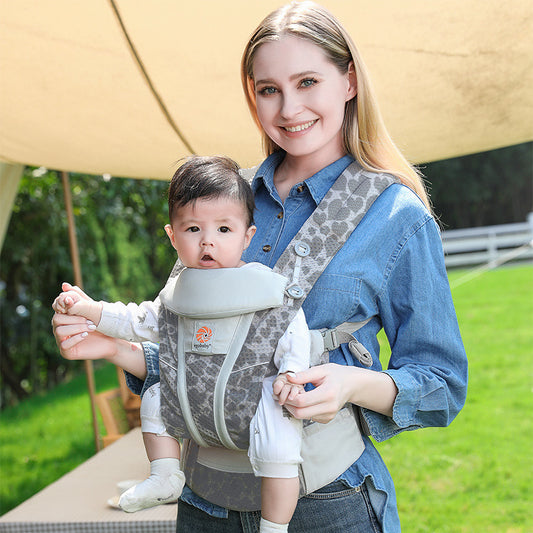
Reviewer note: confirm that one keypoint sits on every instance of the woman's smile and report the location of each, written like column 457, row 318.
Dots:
column 299, row 127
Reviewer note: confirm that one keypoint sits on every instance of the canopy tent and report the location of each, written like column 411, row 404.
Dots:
column 453, row 77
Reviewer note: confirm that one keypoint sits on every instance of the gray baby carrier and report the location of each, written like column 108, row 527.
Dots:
column 210, row 398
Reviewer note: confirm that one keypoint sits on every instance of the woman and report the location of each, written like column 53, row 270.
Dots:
column 309, row 94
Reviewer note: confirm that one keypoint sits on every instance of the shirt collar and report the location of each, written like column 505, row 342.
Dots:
column 318, row 184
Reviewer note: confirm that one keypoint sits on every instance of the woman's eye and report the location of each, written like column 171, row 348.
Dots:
column 193, row 229
column 266, row 91
column 308, row 82
column 224, row 229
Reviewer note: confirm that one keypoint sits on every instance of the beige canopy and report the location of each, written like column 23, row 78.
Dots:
column 127, row 87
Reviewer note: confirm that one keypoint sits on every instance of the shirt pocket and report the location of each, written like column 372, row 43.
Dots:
column 333, row 300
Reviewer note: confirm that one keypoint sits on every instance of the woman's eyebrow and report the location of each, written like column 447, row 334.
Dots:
column 292, row 77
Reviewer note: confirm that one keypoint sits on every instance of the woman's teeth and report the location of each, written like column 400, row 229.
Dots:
column 300, row 127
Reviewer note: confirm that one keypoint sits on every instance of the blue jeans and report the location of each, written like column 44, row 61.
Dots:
column 334, row 508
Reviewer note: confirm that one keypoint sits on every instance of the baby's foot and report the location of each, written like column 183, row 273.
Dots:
column 164, row 485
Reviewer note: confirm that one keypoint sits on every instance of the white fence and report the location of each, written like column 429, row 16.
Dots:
column 489, row 244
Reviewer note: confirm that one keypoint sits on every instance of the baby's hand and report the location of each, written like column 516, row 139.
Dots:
column 73, row 301
column 284, row 390
column 65, row 301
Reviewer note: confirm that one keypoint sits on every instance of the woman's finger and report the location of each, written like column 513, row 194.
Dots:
column 72, row 340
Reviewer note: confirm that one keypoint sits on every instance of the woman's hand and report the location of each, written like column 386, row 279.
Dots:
column 336, row 385
column 76, row 339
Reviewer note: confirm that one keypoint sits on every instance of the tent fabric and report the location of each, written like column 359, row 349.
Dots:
column 9, row 181
column 453, row 77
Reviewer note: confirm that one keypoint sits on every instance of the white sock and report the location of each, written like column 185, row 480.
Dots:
column 266, row 526
column 164, row 485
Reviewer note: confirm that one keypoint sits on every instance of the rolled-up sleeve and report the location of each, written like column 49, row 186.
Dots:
column 428, row 362
column 151, row 356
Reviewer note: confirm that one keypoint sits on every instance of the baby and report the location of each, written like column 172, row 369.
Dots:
column 211, row 224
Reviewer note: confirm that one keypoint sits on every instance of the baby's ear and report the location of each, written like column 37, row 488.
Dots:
column 170, row 233
column 250, row 232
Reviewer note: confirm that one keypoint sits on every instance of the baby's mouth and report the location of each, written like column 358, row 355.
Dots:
column 207, row 257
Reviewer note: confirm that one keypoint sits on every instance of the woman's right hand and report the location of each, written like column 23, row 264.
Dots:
column 76, row 338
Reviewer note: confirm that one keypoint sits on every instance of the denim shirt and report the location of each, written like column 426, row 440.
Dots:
column 391, row 270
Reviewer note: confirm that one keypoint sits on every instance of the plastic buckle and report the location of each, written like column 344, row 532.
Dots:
column 330, row 339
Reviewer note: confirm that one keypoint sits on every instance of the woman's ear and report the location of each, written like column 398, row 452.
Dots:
column 352, row 82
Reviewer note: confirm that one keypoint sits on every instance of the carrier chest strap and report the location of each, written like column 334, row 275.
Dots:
column 342, row 334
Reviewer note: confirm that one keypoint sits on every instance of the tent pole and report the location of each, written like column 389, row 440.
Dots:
column 75, row 258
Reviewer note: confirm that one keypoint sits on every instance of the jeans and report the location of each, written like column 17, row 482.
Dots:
column 335, row 508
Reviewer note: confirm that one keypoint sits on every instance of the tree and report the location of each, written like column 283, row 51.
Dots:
column 124, row 254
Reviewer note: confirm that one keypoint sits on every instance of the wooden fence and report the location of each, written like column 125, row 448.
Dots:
column 488, row 244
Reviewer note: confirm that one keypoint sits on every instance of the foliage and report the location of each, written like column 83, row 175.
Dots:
column 124, row 255
column 483, row 189
column 473, row 477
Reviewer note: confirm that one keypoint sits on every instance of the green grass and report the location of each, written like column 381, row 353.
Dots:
column 47, row 436
column 474, row 476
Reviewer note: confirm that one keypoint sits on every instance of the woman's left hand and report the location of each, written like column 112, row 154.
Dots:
column 333, row 388
column 335, row 385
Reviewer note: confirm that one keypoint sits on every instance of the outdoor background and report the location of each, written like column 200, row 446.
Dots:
column 473, row 476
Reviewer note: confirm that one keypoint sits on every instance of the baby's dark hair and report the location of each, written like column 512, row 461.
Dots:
column 209, row 177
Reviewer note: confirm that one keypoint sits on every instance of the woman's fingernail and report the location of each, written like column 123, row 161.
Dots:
column 91, row 327
column 84, row 334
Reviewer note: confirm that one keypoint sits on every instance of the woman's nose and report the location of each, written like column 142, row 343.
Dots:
column 290, row 105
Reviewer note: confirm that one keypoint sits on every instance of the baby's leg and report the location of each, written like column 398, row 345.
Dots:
column 279, row 497
column 275, row 443
column 166, row 480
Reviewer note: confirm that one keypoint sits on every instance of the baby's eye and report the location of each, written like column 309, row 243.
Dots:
column 193, row 229
column 308, row 82
column 266, row 91
column 224, row 229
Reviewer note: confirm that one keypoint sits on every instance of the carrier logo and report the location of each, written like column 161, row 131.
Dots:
column 204, row 335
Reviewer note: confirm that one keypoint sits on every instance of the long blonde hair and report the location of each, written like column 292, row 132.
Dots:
column 364, row 133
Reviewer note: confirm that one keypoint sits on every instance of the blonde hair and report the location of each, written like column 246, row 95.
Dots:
column 364, row 133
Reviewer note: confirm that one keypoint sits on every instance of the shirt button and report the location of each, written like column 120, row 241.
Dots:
column 280, row 214
column 300, row 188
column 267, row 248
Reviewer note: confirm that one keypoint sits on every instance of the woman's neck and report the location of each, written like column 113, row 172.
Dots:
column 293, row 170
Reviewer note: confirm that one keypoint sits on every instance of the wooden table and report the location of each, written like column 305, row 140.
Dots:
column 77, row 502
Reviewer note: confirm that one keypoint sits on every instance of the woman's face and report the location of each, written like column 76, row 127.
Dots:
column 301, row 98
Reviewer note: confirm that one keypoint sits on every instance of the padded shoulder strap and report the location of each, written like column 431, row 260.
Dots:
column 332, row 222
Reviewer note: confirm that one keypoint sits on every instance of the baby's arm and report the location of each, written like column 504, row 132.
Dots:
column 73, row 301
column 292, row 355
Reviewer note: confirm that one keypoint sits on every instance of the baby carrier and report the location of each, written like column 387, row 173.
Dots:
column 210, row 395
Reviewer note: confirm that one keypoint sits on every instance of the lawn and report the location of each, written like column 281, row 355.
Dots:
column 474, row 476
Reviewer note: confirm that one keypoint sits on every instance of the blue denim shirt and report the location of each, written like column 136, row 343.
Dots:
column 390, row 270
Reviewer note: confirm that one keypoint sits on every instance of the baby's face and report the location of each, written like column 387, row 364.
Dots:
column 210, row 233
